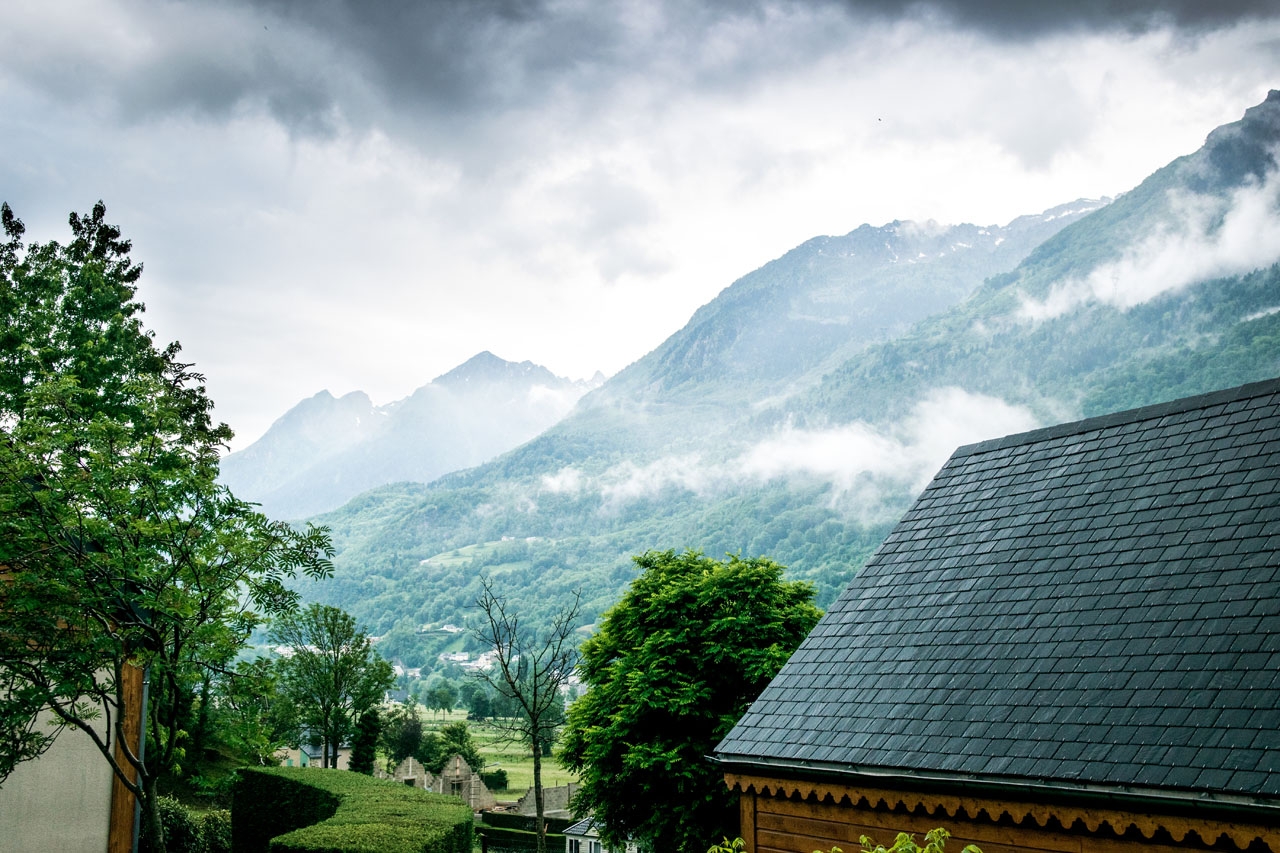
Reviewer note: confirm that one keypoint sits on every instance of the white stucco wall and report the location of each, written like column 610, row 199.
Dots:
column 60, row 801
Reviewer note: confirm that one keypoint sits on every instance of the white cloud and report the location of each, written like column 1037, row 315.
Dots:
column 1210, row 238
column 859, row 458
column 864, row 464
column 630, row 482
column 567, row 480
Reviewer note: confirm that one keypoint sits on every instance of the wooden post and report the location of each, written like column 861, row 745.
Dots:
column 120, row 837
column 747, row 819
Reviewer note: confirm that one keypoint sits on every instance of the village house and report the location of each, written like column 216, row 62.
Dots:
column 1070, row 642
column 583, row 837
column 312, row 755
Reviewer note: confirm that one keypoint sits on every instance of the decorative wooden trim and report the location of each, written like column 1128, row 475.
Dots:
column 1178, row 826
column 120, row 832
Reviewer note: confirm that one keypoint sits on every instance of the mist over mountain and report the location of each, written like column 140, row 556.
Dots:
column 326, row 450
column 798, row 413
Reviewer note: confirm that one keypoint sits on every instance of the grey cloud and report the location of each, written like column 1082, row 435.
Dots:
column 1015, row 19
column 448, row 67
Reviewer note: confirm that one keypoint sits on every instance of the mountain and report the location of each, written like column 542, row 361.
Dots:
column 324, row 451
column 759, row 428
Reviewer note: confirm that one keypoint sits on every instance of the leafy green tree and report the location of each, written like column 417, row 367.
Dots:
column 118, row 548
column 331, row 670
column 250, row 715
column 402, row 733
column 455, row 739
column 443, row 697
column 479, row 706
column 672, row 667
column 365, row 742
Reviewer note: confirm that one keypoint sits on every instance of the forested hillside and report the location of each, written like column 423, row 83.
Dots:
column 798, row 414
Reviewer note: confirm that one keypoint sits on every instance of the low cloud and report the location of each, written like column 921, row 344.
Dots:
column 860, row 458
column 630, row 482
column 865, row 465
column 1210, row 238
column 565, row 481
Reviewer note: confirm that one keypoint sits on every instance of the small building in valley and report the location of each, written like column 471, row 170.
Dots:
column 583, row 837
column 1071, row 641
column 456, row 778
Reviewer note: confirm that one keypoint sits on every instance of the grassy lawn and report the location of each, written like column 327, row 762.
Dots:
column 500, row 753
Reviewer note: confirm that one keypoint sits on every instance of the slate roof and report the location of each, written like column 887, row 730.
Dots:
column 1094, row 604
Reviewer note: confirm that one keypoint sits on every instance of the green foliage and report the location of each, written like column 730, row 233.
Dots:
column 215, row 831
column 935, row 841
column 120, row 546
column 402, row 736
column 502, row 838
column 249, row 715
column 671, row 668
column 308, row 809
column 332, row 672
column 455, row 739
column 365, row 742
column 186, row 831
column 495, row 780
column 737, row 845
column 181, row 828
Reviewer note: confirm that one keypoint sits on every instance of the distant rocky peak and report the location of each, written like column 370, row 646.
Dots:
column 1076, row 208
column 487, row 368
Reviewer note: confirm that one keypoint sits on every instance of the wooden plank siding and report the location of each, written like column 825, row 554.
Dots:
column 783, row 817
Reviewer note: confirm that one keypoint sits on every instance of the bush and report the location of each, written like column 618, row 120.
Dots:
column 300, row 809
column 510, row 820
column 215, row 832
column 181, row 828
column 495, row 780
column 500, row 840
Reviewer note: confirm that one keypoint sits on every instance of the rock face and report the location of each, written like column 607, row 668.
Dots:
column 326, row 450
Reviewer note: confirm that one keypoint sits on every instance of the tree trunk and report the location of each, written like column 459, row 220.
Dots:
column 537, row 797
column 201, row 733
column 151, row 829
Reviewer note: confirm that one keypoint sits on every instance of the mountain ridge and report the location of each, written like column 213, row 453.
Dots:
column 324, row 450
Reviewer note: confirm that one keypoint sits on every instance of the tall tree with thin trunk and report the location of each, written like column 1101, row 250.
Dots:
column 530, row 668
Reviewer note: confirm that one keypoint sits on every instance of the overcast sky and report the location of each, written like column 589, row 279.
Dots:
column 362, row 194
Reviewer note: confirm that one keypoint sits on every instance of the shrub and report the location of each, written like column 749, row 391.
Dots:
column 181, row 828
column 215, row 832
column 335, row 811
column 495, row 780
column 502, row 840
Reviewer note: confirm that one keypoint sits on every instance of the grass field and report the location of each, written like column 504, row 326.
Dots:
column 501, row 753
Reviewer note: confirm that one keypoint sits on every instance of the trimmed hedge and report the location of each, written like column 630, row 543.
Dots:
column 499, row 840
column 288, row 809
column 510, row 820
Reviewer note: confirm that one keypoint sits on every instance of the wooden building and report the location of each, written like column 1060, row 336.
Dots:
column 1070, row 642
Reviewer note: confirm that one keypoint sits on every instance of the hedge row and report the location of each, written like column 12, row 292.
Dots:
column 297, row 809
column 498, row 840
column 510, row 820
